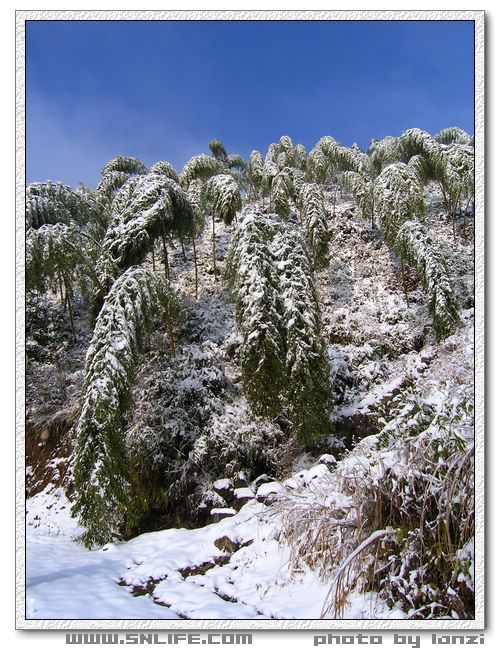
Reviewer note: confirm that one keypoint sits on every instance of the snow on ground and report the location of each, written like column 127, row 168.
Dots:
column 175, row 573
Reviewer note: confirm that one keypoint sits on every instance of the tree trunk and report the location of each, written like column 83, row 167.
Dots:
column 195, row 258
column 165, row 257
column 61, row 295
column 213, row 247
column 403, row 279
column 183, row 251
column 67, row 294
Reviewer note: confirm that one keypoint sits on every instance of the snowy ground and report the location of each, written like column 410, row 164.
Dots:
column 234, row 569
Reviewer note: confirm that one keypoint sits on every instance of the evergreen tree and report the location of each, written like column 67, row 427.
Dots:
column 384, row 152
column 283, row 355
column 50, row 203
column 253, row 278
column 100, row 464
column 165, row 168
column 453, row 135
column 308, row 391
column 282, row 192
column 145, row 208
column 117, row 171
column 218, row 150
column 420, row 249
column 314, row 218
column 223, row 198
column 255, row 172
column 201, row 167
column 398, row 197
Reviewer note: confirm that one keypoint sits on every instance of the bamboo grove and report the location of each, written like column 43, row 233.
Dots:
column 99, row 243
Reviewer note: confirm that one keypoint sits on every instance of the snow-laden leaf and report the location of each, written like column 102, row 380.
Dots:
column 100, row 466
column 420, row 249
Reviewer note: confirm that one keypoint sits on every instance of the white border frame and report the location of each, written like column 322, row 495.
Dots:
column 249, row 624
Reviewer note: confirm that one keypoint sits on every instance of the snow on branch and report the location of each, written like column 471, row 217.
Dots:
column 100, row 466
column 419, row 248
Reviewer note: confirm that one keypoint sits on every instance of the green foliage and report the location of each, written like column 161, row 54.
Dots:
column 52, row 253
column 314, row 215
column 318, row 168
column 251, row 273
column 458, row 172
column 117, row 171
column 398, row 197
column 100, row 462
column 384, row 152
column 362, row 190
column 308, row 391
column 146, row 207
column 222, row 196
column 235, row 161
column 201, row 167
column 453, row 135
column 50, row 203
column 282, row 192
column 419, row 248
column 165, row 168
column 196, row 197
column 255, row 171
column 218, row 150
column 283, row 354
column 341, row 158
column 301, row 157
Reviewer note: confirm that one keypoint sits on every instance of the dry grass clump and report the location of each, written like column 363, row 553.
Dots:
column 398, row 521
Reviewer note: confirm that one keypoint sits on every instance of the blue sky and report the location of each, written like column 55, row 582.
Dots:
column 162, row 90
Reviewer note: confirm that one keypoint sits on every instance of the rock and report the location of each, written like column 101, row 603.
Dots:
column 224, row 487
column 260, row 480
column 243, row 495
column 240, row 481
column 218, row 514
column 269, row 492
column 230, row 545
column 327, row 459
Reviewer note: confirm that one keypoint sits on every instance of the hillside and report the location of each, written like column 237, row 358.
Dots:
column 283, row 409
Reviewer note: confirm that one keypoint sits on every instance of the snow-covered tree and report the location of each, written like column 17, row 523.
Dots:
column 417, row 246
column 308, row 391
column 318, row 167
column 282, row 192
column 283, row 354
column 314, row 218
column 60, row 257
column 384, row 152
column 453, row 135
column 50, row 203
column 342, row 158
column 117, row 171
column 165, row 168
column 100, row 463
column 301, row 157
column 145, row 208
column 253, row 278
column 361, row 187
column 201, row 167
column 458, row 177
column 255, row 171
column 222, row 198
column 398, row 197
